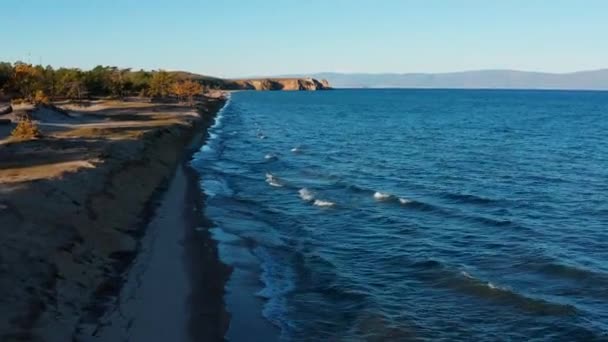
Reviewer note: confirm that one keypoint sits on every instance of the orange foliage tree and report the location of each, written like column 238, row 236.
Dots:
column 26, row 80
column 26, row 129
column 41, row 98
column 186, row 89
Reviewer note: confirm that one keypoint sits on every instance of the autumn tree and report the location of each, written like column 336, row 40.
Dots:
column 160, row 84
column 178, row 90
column 41, row 98
column 26, row 79
column 187, row 89
column 26, row 129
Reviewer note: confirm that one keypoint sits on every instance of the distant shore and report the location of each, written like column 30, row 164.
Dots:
column 75, row 203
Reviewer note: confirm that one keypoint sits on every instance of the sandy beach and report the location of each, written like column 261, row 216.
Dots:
column 74, row 206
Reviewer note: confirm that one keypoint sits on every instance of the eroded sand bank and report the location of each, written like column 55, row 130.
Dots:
column 74, row 204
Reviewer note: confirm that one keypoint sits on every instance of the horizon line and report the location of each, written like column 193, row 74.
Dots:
column 438, row 72
column 302, row 74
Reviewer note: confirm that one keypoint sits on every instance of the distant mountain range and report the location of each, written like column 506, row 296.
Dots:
column 479, row 79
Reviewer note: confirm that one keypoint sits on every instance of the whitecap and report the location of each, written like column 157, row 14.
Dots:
column 271, row 156
column 381, row 196
column 404, row 200
column 295, row 150
column 273, row 181
column 306, row 195
column 322, row 203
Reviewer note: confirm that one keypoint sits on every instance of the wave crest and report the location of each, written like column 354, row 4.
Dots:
column 273, row 180
column 322, row 203
column 386, row 197
column 306, row 195
column 271, row 157
column 381, row 196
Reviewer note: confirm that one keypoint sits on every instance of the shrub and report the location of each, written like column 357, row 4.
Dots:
column 41, row 98
column 26, row 129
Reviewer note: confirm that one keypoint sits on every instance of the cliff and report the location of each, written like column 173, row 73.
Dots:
column 260, row 83
column 279, row 84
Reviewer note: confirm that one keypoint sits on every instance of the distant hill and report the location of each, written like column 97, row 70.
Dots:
column 490, row 79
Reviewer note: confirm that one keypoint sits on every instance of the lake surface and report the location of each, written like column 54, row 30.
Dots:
column 416, row 214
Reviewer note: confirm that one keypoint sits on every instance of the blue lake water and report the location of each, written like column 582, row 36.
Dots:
column 417, row 214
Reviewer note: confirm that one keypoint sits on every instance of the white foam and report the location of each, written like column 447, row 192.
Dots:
column 270, row 156
column 381, row 196
column 306, row 195
column 404, row 200
column 295, row 150
column 273, row 181
column 275, row 184
column 215, row 127
column 279, row 280
column 322, row 203
column 214, row 186
column 218, row 118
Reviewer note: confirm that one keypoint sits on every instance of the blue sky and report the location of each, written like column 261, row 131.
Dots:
column 269, row 37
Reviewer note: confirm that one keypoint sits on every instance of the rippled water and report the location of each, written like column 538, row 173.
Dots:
column 418, row 214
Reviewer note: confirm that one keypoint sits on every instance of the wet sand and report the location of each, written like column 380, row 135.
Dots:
column 159, row 298
column 245, row 307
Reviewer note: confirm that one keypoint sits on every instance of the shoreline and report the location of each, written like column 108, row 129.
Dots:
column 73, row 230
column 173, row 289
column 208, row 274
column 242, row 288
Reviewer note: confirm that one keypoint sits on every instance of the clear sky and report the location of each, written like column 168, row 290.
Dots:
column 269, row 37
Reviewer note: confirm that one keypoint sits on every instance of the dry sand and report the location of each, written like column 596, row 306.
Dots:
column 73, row 206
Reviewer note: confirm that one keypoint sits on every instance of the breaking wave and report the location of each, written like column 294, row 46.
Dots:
column 323, row 203
column 273, row 180
column 306, row 195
